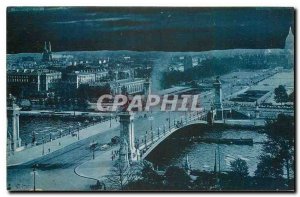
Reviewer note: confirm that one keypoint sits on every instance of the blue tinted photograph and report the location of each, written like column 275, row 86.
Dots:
column 155, row 99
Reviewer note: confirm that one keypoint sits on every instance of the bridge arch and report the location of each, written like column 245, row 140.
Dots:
column 146, row 150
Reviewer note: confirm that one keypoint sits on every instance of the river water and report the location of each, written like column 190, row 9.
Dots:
column 46, row 126
column 172, row 151
column 201, row 156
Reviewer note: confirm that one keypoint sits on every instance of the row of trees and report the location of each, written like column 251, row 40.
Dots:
column 278, row 158
column 274, row 171
column 281, row 95
column 219, row 66
column 143, row 177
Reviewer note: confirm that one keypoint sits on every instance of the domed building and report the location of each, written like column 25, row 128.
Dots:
column 289, row 41
column 289, row 48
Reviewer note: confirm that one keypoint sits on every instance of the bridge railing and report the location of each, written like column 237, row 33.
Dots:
column 146, row 141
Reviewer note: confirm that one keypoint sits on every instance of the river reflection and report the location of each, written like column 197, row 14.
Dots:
column 202, row 155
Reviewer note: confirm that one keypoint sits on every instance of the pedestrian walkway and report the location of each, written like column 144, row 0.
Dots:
column 35, row 152
column 99, row 167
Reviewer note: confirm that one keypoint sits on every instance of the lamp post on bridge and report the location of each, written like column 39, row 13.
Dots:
column 60, row 133
column 33, row 138
column 78, row 130
column 110, row 116
column 170, row 120
column 50, row 136
column 70, row 127
column 152, row 136
column 151, row 120
column 43, row 140
column 185, row 117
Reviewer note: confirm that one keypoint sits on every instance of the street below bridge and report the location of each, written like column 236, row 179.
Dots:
column 56, row 170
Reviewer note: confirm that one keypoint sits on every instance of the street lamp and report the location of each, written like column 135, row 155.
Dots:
column 34, row 171
column 151, row 119
column 70, row 129
column 60, row 133
column 170, row 120
column 110, row 120
column 43, row 145
column 33, row 138
column 93, row 148
column 74, row 107
column 50, row 135
column 78, row 130
column 152, row 136
column 185, row 117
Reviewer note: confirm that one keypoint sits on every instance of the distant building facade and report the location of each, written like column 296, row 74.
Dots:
column 31, row 81
column 132, row 86
column 75, row 79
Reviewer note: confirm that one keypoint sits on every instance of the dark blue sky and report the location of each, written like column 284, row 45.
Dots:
column 146, row 29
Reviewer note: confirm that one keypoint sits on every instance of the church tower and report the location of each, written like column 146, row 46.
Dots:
column 47, row 53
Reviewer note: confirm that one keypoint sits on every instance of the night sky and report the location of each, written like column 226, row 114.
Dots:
column 146, row 29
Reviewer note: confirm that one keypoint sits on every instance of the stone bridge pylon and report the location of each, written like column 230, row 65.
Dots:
column 13, row 133
column 128, row 152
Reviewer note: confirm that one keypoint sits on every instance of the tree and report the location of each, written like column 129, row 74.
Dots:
column 239, row 167
column 149, row 174
column 177, row 178
column 279, row 149
column 205, row 181
column 281, row 95
column 83, row 92
column 281, row 134
column 149, row 180
column 121, row 174
column 270, row 167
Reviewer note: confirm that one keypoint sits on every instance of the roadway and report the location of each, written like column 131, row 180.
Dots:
column 57, row 172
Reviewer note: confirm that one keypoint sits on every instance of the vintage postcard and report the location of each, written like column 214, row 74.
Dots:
column 150, row 99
